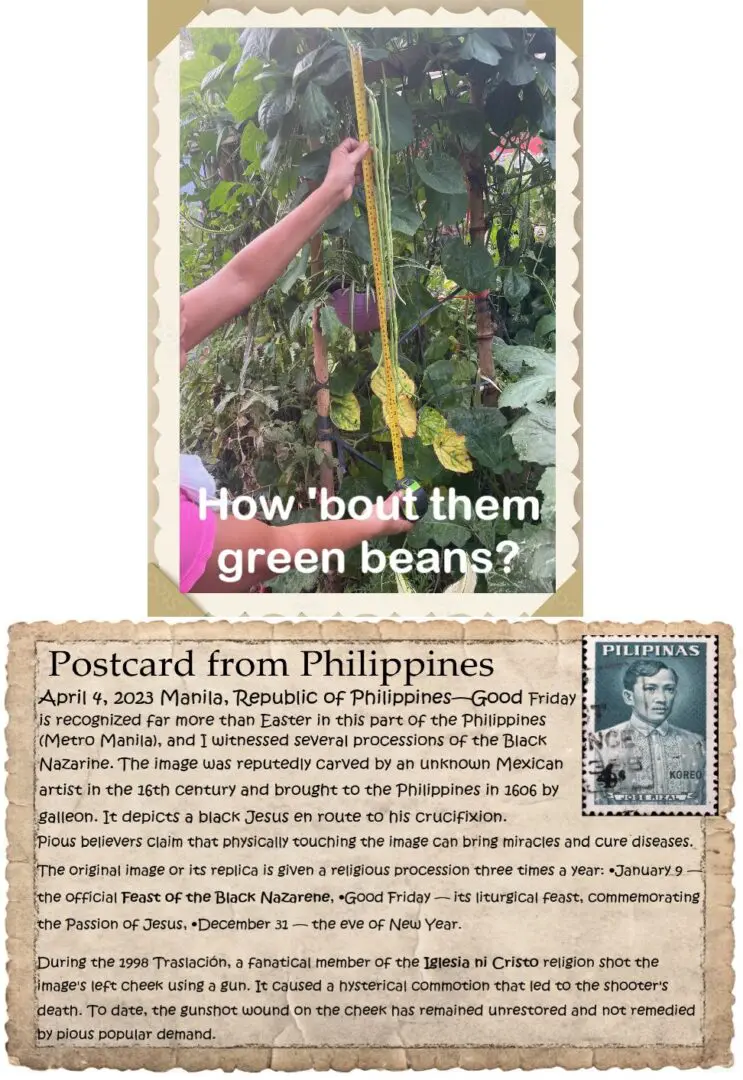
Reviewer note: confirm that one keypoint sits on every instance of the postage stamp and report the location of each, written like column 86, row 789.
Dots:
column 650, row 725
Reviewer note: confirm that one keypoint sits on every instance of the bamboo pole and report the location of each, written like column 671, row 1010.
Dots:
column 474, row 169
column 322, row 375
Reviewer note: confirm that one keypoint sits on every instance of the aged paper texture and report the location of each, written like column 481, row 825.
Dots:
column 564, row 595
column 335, row 845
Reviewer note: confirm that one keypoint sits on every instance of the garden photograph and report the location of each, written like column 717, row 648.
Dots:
column 391, row 335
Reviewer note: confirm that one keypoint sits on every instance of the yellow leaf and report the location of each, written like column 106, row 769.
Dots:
column 450, row 449
column 430, row 424
column 405, row 415
column 345, row 412
column 404, row 385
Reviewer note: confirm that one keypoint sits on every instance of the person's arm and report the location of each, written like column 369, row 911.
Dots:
column 319, row 536
column 254, row 269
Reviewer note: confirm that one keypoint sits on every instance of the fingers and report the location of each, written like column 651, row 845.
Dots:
column 358, row 152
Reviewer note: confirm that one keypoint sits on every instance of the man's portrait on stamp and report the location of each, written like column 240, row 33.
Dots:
column 649, row 725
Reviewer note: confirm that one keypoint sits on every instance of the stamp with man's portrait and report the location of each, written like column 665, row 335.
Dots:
column 650, row 725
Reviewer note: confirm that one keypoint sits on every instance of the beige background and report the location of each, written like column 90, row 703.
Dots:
column 692, row 942
column 164, row 598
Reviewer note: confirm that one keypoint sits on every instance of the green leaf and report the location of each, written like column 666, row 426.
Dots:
column 294, row 581
column 220, row 194
column 519, row 69
column 256, row 42
column 512, row 358
column 313, row 166
column 442, row 173
column 251, row 139
column 483, row 429
column 516, row 286
column 344, row 378
column 345, row 412
column 337, row 66
column 400, row 120
column 213, row 76
column 533, row 435
column 359, row 239
column 193, row 71
column 274, row 106
column 341, row 220
column 294, row 271
column 442, row 533
column 547, row 486
column 547, row 71
column 330, row 324
column 446, row 378
column 430, row 424
column 476, row 47
column 244, row 99
column 405, row 216
column 502, row 108
column 315, row 111
column 546, row 325
column 305, row 63
column 445, row 209
column 528, row 389
column 469, row 125
column 470, row 267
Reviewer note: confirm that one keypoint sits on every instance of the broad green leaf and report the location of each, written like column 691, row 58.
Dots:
column 330, row 324
column 442, row 173
column 547, row 71
column 450, row 448
column 315, row 111
column 426, row 466
column 274, row 106
column 338, row 66
column 449, row 379
column 244, row 99
column 497, row 37
column 516, row 286
column 513, row 358
column 344, row 378
column 483, row 429
column 345, row 412
column 359, row 239
column 430, row 531
column 430, row 424
column 193, row 71
column 533, row 436
column 519, row 69
column 306, row 62
column 469, row 125
column 313, row 166
column 294, row 271
column 251, row 139
column 220, row 194
column 527, row 390
column 547, row 486
column 445, row 209
column 341, row 220
column 469, row 266
column 400, row 120
column 405, row 216
column 256, row 42
column 546, row 325
column 476, row 47
column 213, row 76
column 502, row 108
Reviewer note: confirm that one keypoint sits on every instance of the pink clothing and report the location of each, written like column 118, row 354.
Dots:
column 197, row 542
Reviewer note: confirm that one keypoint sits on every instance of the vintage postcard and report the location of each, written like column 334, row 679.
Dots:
column 365, row 298
column 331, row 845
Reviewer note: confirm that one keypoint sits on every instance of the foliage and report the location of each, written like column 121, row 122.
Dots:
column 261, row 110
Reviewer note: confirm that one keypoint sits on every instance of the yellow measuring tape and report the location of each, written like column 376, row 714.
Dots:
column 362, row 120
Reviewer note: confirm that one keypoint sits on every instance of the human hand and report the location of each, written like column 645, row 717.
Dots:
column 394, row 510
column 344, row 170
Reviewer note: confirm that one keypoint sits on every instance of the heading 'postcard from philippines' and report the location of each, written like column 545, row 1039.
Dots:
column 376, row 410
